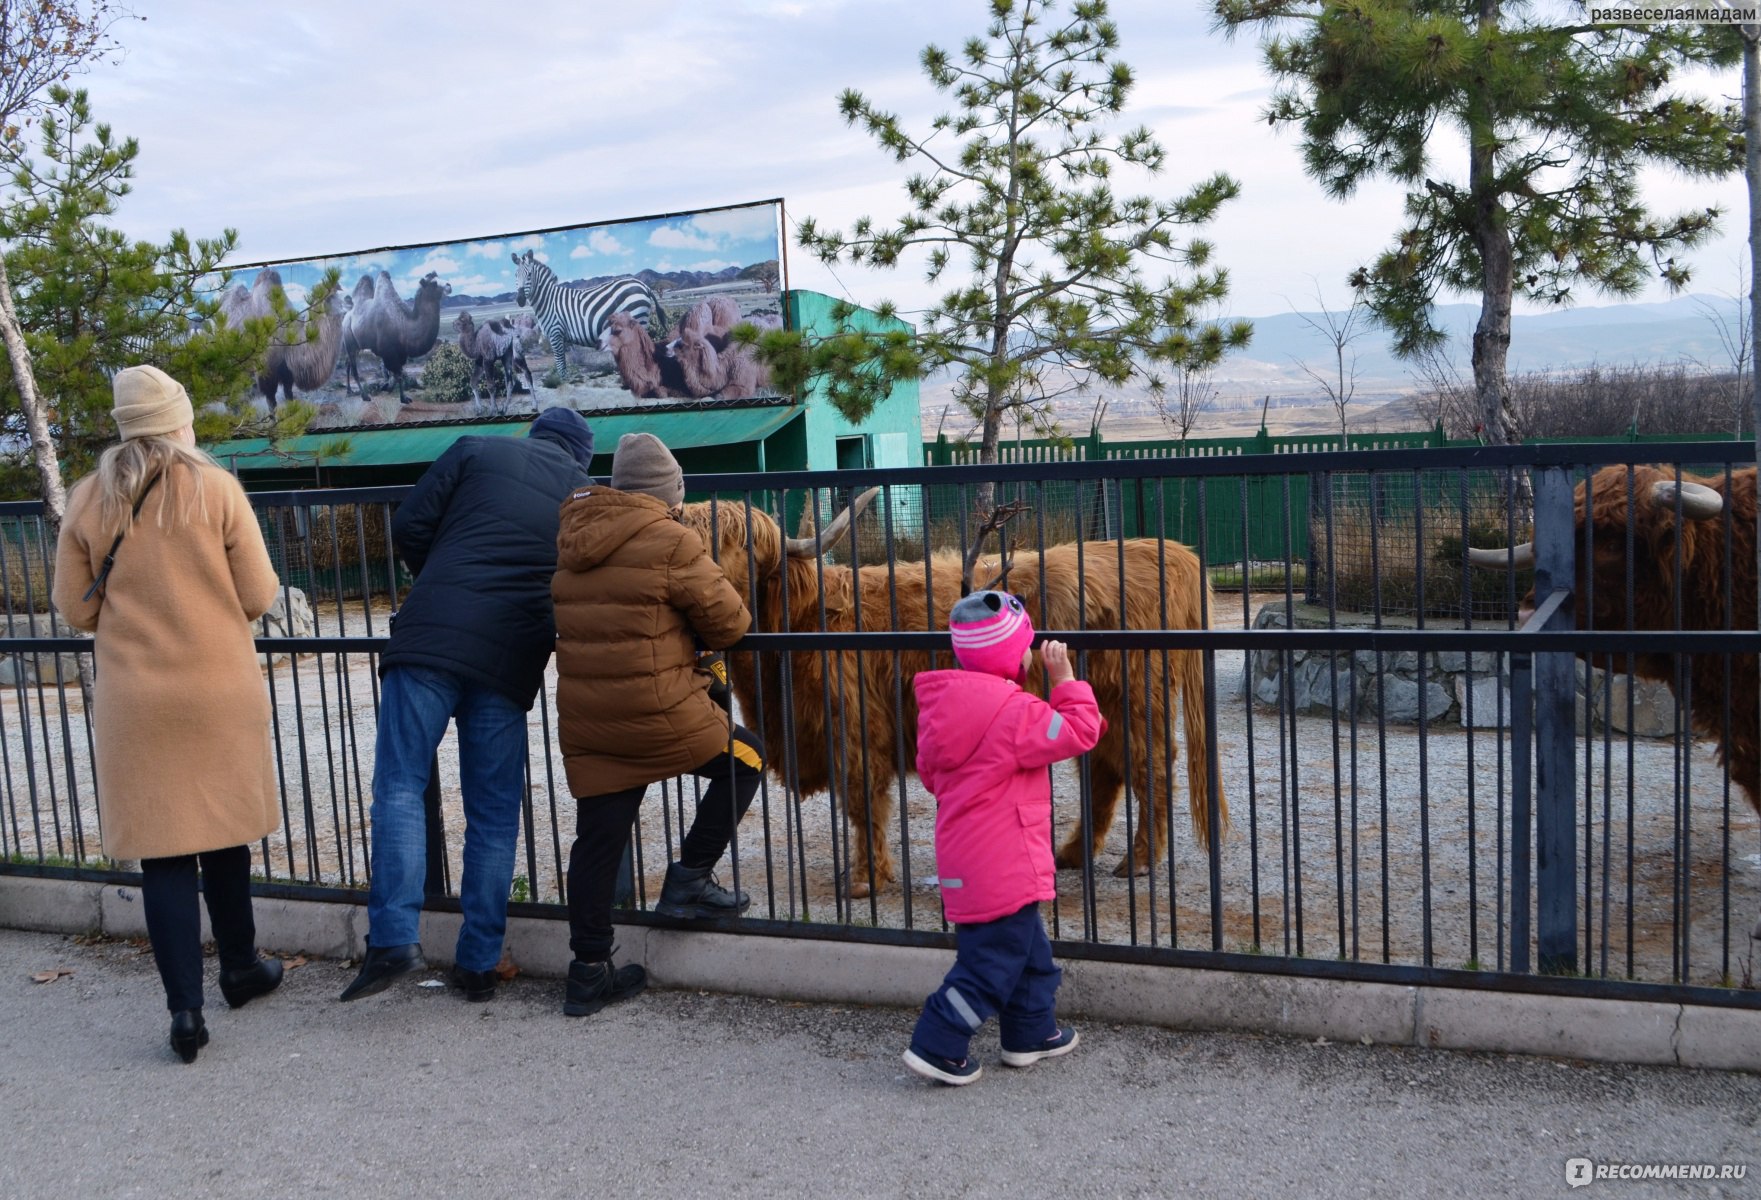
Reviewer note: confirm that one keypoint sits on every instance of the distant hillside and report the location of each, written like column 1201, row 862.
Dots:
column 660, row 281
column 1674, row 331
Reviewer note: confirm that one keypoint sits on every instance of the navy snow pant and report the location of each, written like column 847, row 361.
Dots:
column 1002, row 968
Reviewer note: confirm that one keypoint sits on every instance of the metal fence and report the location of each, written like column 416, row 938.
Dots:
column 1408, row 798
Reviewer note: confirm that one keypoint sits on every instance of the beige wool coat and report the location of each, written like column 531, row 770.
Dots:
column 181, row 713
column 635, row 593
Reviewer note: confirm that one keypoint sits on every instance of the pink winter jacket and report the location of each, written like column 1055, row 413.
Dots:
column 983, row 746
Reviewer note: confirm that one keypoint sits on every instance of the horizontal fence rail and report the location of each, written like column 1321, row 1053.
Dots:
column 1335, row 747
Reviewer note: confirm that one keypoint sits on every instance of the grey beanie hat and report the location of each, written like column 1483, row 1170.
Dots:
column 642, row 463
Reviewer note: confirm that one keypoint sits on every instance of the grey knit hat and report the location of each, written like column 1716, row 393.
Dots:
column 642, row 463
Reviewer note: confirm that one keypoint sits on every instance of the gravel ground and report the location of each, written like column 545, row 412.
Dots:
column 1295, row 837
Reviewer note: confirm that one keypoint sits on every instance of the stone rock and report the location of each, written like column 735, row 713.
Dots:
column 1403, row 699
column 289, row 616
column 1488, row 691
column 1480, row 662
column 1653, row 707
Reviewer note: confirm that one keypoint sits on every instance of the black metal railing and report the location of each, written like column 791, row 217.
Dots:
column 1417, row 791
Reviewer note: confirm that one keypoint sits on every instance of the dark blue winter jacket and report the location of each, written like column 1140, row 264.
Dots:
column 479, row 531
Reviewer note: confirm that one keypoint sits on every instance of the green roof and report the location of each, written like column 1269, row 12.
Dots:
column 400, row 444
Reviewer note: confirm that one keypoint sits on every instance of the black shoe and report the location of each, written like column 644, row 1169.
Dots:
column 381, row 967
column 943, row 1070
column 246, row 984
column 188, row 1033
column 478, row 986
column 593, row 985
column 695, row 893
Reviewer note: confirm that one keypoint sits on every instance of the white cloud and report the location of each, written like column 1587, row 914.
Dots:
column 485, row 249
column 604, row 243
column 532, row 241
column 673, row 237
column 737, row 224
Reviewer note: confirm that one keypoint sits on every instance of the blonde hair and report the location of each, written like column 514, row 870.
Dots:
column 124, row 470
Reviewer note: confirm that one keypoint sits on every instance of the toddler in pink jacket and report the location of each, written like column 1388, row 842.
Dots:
column 983, row 746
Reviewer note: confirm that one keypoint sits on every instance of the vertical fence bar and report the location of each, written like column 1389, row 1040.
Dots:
column 1555, row 749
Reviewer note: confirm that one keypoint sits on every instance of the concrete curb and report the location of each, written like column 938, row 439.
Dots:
column 1627, row 1031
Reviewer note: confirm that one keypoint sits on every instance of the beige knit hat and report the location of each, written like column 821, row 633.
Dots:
column 148, row 402
column 642, row 463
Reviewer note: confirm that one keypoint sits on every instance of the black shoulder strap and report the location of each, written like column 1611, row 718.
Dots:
column 110, row 558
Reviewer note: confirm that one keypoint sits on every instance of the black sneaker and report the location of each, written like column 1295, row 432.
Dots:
column 943, row 1070
column 593, row 985
column 478, row 986
column 695, row 894
column 1062, row 1042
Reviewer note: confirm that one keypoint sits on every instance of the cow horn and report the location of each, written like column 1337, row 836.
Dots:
column 813, row 547
column 1699, row 502
column 1518, row 558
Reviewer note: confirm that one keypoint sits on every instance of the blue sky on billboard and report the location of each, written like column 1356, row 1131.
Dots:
column 708, row 242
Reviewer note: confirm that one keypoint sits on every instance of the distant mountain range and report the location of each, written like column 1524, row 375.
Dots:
column 660, row 281
column 1679, row 330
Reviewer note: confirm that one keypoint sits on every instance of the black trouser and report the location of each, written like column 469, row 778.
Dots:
column 174, row 923
column 602, row 837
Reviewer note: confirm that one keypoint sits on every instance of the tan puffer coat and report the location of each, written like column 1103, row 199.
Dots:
column 633, row 590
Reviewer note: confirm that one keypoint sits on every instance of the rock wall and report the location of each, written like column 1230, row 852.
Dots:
column 1444, row 686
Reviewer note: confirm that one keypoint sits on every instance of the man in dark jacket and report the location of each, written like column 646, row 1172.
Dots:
column 469, row 645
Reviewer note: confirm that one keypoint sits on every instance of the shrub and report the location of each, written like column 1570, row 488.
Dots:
column 446, row 377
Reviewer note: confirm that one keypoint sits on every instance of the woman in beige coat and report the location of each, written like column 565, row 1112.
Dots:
column 181, row 716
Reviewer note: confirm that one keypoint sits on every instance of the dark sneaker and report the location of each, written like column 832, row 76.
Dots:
column 478, row 986
column 593, row 985
column 695, row 894
column 943, row 1070
column 1062, row 1042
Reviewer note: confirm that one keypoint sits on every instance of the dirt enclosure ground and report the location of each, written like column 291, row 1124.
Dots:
column 1344, row 844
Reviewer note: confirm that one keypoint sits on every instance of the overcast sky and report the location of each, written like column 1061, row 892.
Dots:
column 324, row 127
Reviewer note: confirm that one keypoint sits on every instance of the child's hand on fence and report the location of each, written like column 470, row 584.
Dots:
column 1056, row 656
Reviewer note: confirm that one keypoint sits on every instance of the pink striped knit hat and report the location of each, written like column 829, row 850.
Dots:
column 991, row 630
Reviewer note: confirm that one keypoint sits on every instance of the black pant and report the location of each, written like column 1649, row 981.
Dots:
column 602, row 836
column 174, row 923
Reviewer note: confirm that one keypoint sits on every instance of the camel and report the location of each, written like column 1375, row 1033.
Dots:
column 295, row 358
column 393, row 330
column 496, row 344
column 645, row 372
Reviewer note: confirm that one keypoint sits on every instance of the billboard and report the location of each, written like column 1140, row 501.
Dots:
column 614, row 314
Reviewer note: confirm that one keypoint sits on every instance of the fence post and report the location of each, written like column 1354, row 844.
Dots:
column 1555, row 733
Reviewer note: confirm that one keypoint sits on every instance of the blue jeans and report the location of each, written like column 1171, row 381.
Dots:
column 415, row 705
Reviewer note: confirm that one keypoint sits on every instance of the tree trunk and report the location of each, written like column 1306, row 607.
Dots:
column 1492, row 334
column 36, row 420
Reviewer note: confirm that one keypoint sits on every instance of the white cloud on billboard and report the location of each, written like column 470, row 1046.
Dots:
column 602, row 242
column 737, row 224
column 673, row 237
column 532, row 241
column 485, row 250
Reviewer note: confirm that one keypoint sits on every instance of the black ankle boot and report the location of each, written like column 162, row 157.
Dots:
column 246, row 984
column 382, row 966
column 593, row 985
column 694, row 893
column 189, row 1033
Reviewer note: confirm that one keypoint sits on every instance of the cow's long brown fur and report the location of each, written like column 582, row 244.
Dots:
column 855, row 715
column 1702, row 558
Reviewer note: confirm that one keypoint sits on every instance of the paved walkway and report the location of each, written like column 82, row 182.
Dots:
column 680, row 1094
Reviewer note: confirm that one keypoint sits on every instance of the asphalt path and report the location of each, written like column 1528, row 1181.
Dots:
column 683, row 1094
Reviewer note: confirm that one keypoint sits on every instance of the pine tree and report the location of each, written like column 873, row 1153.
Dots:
column 1554, row 123
column 90, row 300
column 1014, row 193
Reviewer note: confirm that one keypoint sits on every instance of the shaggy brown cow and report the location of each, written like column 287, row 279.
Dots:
column 1659, row 547
column 857, row 738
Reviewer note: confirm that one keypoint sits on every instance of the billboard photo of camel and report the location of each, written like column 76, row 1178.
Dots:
column 609, row 315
